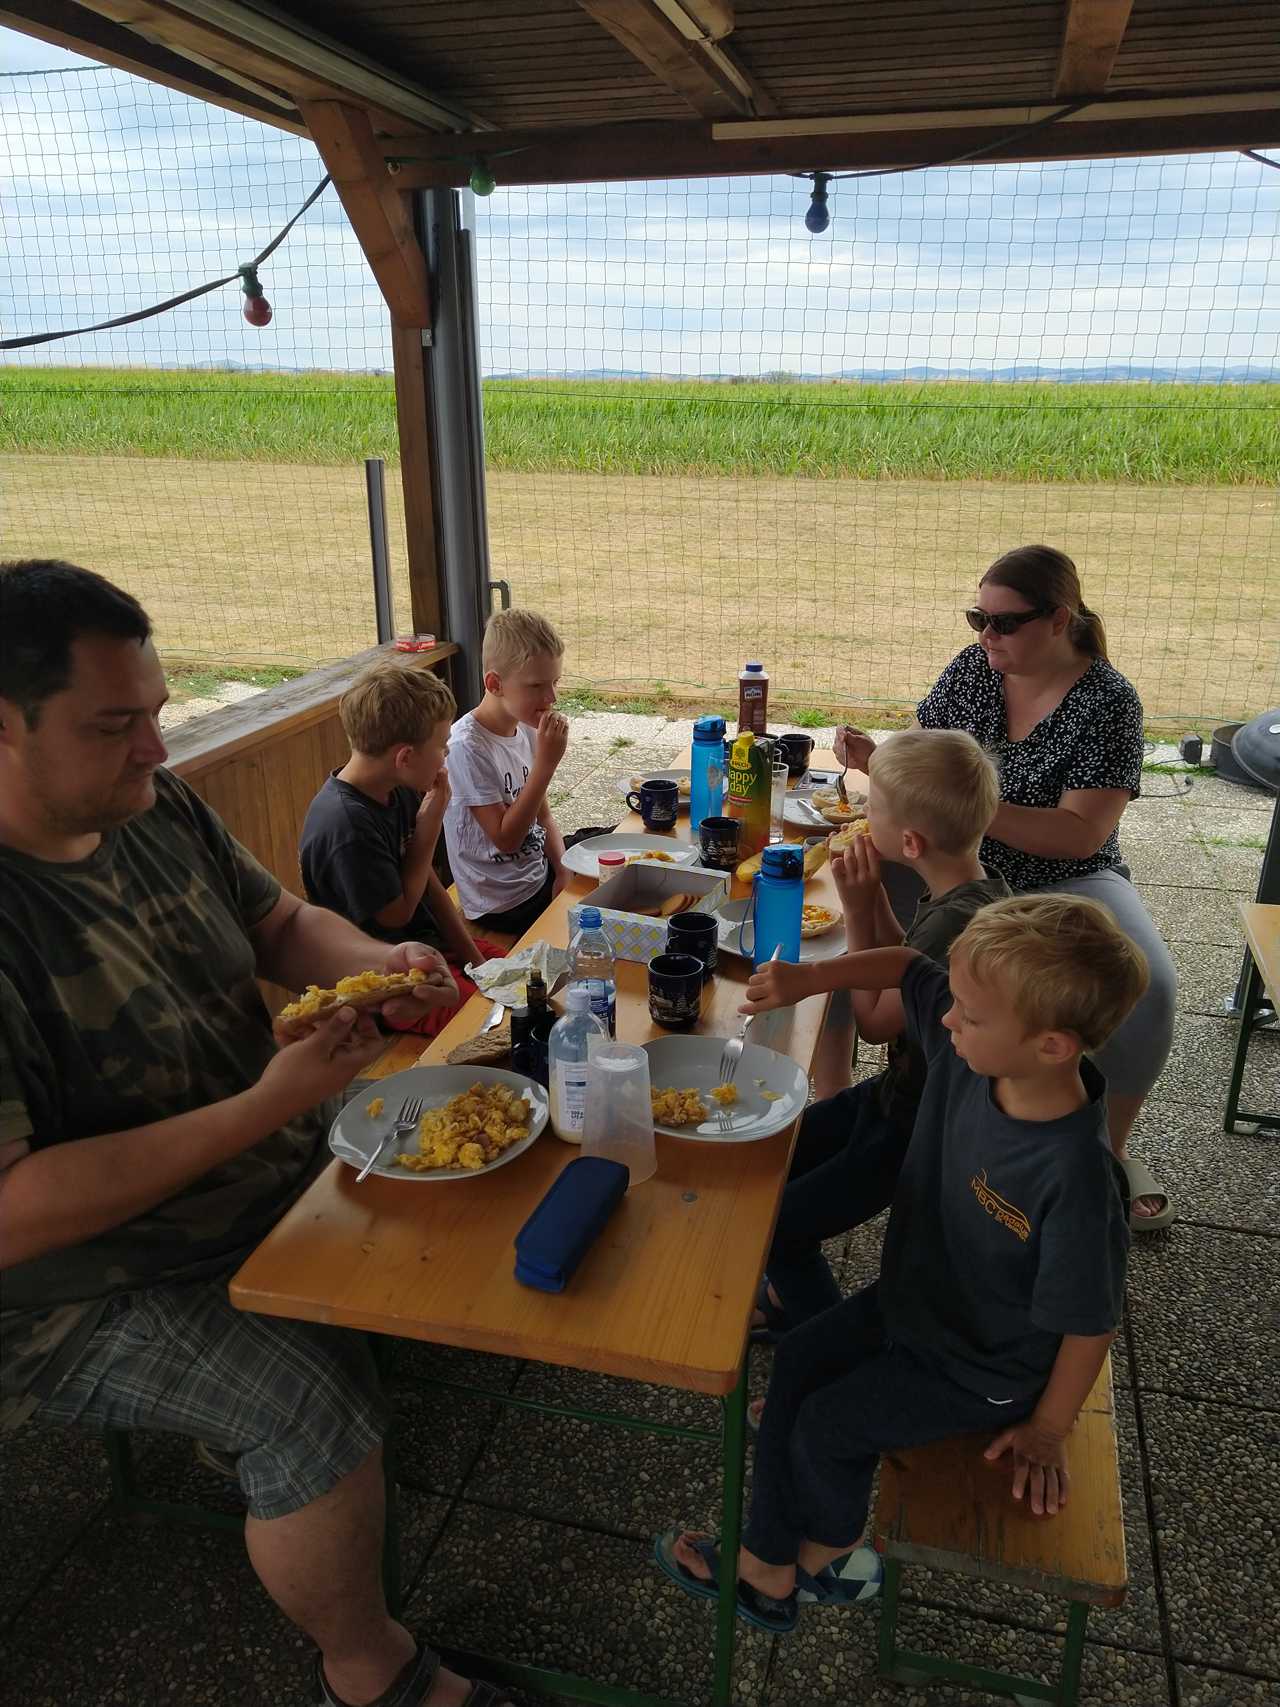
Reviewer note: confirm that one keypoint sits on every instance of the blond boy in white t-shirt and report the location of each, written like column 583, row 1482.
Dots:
column 505, row 848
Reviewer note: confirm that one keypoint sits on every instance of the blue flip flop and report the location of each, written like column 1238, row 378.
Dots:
column 778, row 1617
column 844, row 1582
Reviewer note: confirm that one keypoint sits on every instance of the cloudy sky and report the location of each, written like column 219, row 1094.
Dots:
column 115, row 193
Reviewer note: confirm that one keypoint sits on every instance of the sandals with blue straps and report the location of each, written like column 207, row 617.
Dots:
column 778, row 1617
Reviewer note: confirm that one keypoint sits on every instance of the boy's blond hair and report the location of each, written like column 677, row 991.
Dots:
column 512, row 637
column 939, row 782
column 394, row 705
column 1062, row 961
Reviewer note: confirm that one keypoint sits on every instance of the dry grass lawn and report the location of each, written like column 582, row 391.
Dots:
column 849, row 589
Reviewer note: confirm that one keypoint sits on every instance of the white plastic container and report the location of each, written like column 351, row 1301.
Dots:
column 619, row 1114
column 567, row 1063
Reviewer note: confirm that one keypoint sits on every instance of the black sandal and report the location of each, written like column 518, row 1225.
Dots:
column 776, row 1321
column 413, row 1686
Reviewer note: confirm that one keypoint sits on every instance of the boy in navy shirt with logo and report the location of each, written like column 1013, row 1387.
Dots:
column 1002, row 1277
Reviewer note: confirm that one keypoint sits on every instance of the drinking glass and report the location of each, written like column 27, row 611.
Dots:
column 778, row 802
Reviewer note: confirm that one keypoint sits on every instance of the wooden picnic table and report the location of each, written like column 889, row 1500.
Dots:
column 664, row 1295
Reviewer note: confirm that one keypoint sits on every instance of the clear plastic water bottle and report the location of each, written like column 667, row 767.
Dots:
column 567, row 1074
column 706, row 787
column 591, row 964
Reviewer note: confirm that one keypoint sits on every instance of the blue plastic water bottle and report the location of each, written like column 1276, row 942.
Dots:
column 777, row 898
column 706, row 792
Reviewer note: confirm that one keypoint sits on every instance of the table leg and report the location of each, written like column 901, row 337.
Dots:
column 1248, row 1006
column 733, row 1457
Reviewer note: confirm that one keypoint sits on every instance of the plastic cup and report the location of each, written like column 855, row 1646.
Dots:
column 619, row 1115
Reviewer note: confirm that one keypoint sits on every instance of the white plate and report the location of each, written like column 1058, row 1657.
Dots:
column 824, row 947
column 626, row 786
column 354, row 1136
column 800, row 812
column 584, row 857
column 693, row 1063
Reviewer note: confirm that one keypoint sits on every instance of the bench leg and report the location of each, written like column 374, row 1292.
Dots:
column 1073, row 1653
column 904, row 1665
column 1252, row 1001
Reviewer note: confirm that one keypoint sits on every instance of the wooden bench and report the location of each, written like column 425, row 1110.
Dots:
column 1262, row 935
column 945, row 1507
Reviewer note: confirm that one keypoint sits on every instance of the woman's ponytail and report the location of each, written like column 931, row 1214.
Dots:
column 1089, row 634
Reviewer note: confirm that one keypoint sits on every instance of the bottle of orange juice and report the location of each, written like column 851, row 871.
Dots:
column 748, row 787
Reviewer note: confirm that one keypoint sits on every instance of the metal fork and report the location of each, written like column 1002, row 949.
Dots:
column 406, row 1120
column 731, row 1054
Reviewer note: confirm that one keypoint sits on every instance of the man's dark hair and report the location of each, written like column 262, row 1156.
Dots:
column 44, row 606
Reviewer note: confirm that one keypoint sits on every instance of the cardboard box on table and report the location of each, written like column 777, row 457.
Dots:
column 634, row 936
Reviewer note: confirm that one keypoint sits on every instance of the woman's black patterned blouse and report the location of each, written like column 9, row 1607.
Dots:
column 1092, row 739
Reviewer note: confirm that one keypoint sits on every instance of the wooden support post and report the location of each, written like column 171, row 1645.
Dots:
column 379, row 213
column 417, row 476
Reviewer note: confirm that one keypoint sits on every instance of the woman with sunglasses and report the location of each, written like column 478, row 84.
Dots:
column 1065, row 729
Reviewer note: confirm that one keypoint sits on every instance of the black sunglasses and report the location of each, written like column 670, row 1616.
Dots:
column 1008, row 622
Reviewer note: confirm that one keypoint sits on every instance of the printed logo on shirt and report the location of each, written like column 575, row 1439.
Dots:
column 999, row 1208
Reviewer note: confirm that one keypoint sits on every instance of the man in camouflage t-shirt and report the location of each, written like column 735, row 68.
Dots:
column 151, row 1132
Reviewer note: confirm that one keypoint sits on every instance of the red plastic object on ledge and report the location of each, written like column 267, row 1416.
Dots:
column 415, row 642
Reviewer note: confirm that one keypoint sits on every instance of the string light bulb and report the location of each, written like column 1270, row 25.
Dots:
column 817, row 216
column 257, row 310
column 482, row 180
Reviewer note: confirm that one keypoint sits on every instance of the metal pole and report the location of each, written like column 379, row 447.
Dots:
column 375, row 485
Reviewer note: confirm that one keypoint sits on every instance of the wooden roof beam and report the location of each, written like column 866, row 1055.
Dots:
column 64, row 24
column 379, row 213
column 680, row 42
column 698, row 148
column 1092, row 31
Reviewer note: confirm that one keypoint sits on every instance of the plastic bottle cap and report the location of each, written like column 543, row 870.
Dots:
column 577, row 998
column 589, row 918
column 709, row 729
column 755, row 666
column 783, row 860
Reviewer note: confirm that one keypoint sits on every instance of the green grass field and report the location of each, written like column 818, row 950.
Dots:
column 1147, row 434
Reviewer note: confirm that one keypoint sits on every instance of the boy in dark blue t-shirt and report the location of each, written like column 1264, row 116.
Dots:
column 1002, row 1277
column 370, row 835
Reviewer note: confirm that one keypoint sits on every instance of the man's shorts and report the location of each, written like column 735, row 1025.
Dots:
column 298, row 1403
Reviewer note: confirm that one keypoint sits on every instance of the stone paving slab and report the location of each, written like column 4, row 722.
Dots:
column 1202, row 1310
column 630, row 1483
column 143, row 1615
column 53, row 1485
column 553, row 1596
column 1192, row 914
column 1200, row 1686
column 1212, row 1471
column 831, row 1661
column 1212, row 1175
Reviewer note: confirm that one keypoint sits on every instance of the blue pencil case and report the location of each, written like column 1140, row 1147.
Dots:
column 562, row 1229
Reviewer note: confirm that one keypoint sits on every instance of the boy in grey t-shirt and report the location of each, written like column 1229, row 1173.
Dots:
column 931, row 796
column 1002, row 1278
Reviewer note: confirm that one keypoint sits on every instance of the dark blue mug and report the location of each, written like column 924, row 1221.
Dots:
column 675, row 990
column 657, row 802
column 696, row 934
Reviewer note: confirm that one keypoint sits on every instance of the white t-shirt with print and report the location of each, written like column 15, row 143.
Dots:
column 490, row 770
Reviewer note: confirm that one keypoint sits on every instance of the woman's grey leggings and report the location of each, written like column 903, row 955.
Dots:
column 1132, row 1060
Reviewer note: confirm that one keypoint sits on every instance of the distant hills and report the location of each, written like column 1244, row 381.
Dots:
column 1020, row 373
